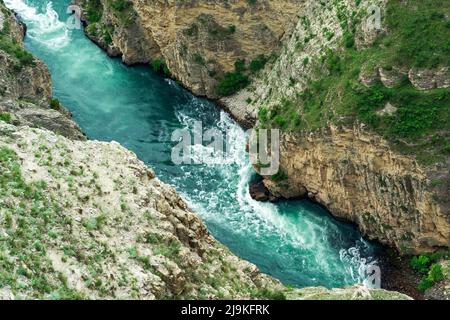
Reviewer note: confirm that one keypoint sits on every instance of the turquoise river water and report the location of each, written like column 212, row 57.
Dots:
column 296, row 242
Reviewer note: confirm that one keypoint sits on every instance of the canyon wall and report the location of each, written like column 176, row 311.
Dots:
column 359, row 178
column 25, row 84
column 198, row 40
column 395, row 188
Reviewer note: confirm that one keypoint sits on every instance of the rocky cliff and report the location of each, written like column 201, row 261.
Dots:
column 25, row 84
column 358, row 177
column 199, row 41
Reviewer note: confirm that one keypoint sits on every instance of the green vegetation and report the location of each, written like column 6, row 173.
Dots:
column 418, row 36
column 55, row 104
column 234, row 81
column 94, row 223
column 160, row 66
column 106, row 34
column 427, row 264
column 6, row 117
column 27, row 219
column 14, row 49
column 120, row 5
column 258, row 63
column 198, row 59
column 421, row 33
column 93, row 11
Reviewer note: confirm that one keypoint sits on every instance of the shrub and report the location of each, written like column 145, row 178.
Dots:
column 6, row 117
column 120, row 5
column 420, row 263
column 349, row 40
column 262, row 114
column 198, row 59
column 55, row 104
column 434, row 275
column 232, row 82
column 93, row 11
column 157, row 65
column 239, row 65
column 160, row 66
column 258, row 63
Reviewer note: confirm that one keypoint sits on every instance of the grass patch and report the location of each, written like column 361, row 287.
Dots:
column 16, row 51
column 93, row 11
column 27, row 220
column 6, row 117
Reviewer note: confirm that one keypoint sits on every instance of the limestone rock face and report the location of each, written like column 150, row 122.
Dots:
column 426, row 79
column 26, row 87
column 358, row 177
column 199, row 40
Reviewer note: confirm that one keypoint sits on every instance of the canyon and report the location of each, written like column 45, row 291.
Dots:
column 357, row 173
column 84, row 219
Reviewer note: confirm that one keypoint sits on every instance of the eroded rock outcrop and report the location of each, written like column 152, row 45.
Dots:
column 25, row 84
column 358, row 177
column 198, row 40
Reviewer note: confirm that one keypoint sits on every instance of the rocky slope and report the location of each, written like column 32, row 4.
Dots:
column 25, row 84
column 90, row 220
column 198, row 40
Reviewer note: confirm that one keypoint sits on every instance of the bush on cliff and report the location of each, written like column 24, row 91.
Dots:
column 232, row 82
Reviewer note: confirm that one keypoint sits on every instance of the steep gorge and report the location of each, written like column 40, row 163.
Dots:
column 25, row 84
column 87, row 219
column 395, row 189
